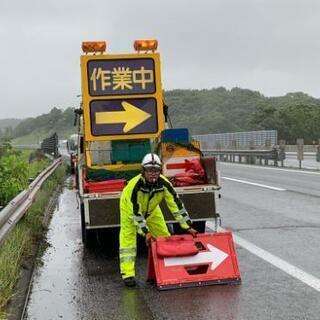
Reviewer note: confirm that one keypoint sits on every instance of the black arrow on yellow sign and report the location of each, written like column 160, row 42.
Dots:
column 131, row 116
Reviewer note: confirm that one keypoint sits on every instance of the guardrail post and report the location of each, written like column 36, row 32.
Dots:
column 251, row 159
column 234, row 147
column 318, row 152
column 275, row 156
column 267, row 144
column 282, row 151
column 300, row 157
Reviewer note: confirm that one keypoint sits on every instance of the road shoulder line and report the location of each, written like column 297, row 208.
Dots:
column 270, row 168
column 254, row 184
column 279, row 263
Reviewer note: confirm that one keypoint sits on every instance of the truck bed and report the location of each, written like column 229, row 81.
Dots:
column 199, row 201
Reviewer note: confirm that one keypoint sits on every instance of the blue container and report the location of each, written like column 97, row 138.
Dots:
column 175, row 135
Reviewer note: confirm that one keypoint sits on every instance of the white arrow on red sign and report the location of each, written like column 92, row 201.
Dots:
column 214, row 256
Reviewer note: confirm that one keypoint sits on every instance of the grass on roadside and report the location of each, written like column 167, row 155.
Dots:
column 20, row 242
column 35, row 167
column 16, row 171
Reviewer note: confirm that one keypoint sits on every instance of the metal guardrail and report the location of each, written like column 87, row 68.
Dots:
column 249, row 155
column 271, row 154
column 14, row 211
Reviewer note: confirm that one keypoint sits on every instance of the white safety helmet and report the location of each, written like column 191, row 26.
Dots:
column 151, row 160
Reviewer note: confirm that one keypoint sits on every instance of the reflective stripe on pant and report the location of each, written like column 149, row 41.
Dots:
column 128, row 237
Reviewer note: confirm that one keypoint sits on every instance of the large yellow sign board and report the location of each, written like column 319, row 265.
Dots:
column 122, row 96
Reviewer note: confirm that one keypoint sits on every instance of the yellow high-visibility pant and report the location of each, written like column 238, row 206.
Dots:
column 128, row 238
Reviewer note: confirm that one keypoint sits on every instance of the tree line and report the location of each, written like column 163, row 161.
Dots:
column 295, row 115
column 218, row 110
column 43, row 126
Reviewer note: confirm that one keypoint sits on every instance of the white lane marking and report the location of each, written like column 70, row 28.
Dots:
column 310, row 168
column 254, row 184
column 288, row 268
column 269, row 168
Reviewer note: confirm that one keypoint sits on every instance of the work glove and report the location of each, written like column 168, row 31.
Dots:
column 149, row 238
column 193, row 232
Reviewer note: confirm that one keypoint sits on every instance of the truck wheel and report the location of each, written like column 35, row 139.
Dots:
column 108, row 239
column 200, row 226
column 88, row 236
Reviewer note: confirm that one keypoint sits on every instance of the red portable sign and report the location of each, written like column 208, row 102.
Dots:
column 215, row 263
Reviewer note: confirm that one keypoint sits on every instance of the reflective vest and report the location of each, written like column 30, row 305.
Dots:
column 139, row 199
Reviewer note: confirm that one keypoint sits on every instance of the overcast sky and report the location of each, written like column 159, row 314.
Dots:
column 272, row 46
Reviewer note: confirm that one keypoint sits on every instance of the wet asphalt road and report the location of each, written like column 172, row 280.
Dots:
column 75, row 283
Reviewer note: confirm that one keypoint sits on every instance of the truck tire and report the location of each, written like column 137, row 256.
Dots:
column 88, row 236
column 108, row 240
column 200, row 226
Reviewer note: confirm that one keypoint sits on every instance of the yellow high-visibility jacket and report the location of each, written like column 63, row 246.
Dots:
column 140, row 199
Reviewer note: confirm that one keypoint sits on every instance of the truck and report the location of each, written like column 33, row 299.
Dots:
column 72, row 148
column 122, row 116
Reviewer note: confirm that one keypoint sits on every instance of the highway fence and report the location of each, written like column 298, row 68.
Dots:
column 254, row 147
column 247, row 156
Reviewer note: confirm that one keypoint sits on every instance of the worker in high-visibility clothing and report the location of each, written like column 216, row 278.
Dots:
column 140, row 213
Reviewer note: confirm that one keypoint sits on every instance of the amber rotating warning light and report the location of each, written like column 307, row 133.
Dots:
column 94, row 46
column 145, row 45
